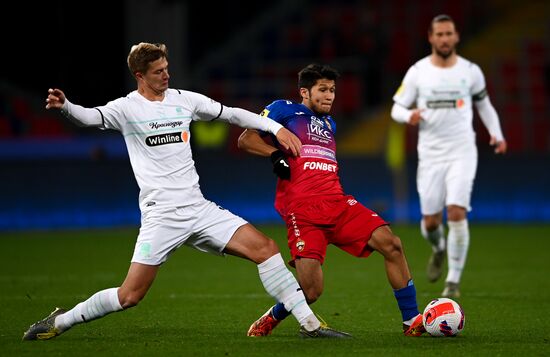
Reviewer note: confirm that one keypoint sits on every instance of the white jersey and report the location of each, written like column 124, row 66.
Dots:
column 445, row 94
column 158, row 140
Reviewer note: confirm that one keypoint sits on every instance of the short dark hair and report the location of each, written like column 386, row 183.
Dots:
column 309, row 75
column 440, row 18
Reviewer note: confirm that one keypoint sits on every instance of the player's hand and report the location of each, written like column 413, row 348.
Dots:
column 56, row 98
column 289, row 141
column 416, row 117
column 500, row 146
column 280, row 165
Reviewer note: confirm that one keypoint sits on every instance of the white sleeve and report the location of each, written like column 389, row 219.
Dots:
column 249, row 120
column 400, row 114
column 407, row 93
column 82, row 116
column 489, row 117
column 208, row 109
column 112, row 114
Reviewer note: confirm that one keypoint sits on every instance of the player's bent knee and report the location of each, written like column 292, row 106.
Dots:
column 312, row 294
column 456, row 213
column 396, row 245
column 392, row 246
column 431, row 223
column 386, row 243
column 272, row 248
column 269, row 249
column 130, row 299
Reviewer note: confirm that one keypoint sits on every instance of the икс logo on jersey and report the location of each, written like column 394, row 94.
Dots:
column 316, row 131
column 166, row 138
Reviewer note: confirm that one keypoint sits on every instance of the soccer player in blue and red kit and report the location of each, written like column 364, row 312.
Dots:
column 312, row 202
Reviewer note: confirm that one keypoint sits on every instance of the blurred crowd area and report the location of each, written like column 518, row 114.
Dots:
column 372, row 44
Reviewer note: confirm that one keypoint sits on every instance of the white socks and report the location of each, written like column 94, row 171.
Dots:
column 279, row 282
column 98, row 305
column 458, row 242
column 436, row 238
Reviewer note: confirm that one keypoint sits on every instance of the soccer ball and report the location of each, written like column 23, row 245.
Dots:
column 443, row 317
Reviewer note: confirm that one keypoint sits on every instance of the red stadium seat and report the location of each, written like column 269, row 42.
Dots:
column 47, row 127
column 513, row 128
column 5, row 127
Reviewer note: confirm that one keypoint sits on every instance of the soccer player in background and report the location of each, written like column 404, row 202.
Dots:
column 154, row 121
column 312, row 202
column 443, row 86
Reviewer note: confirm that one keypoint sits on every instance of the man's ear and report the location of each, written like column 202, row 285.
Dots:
column 304, row 93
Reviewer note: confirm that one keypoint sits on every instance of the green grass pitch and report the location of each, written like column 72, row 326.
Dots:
column 202, row 305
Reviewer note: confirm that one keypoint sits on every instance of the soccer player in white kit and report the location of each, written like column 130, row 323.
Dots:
column 444, row 86
column 154, row 121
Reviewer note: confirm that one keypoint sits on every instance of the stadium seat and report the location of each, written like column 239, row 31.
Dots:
column 513, row 127
column 5, row 127
column 46, row 126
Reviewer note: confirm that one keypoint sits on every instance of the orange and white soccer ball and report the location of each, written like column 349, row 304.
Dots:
column 443, row 317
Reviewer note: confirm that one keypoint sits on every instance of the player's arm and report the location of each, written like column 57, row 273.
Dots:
column 76, row 113
column 209, row 109
column 249, row 120
column 489, row 117
column 404, row 98
column 486, row 111
column 404, row 115
column 251, row 142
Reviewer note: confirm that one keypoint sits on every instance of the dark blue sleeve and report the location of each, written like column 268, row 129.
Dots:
column 278, row 111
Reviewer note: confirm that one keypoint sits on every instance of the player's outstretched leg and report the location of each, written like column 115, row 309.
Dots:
column 278, row 281
column 271, row 319
column 389, row 245
column 98, row 305
column 45, row 328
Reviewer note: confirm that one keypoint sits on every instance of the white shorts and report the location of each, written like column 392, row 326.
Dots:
column 446, row 183
column 204, row 226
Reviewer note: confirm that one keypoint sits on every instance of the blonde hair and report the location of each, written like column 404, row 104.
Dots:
column 144, row 53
